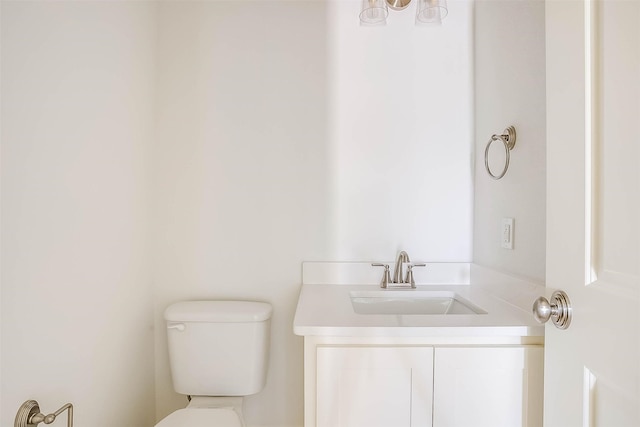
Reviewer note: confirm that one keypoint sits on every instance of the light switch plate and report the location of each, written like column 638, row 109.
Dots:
column 506, row 233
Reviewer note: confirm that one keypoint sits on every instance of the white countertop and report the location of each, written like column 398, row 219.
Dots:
column 326, row 310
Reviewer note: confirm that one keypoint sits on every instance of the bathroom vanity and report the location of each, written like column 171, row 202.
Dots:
column 459, row 350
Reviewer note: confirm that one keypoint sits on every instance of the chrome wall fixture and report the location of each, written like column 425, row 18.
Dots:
column 509, row 141
column 29, row 415
column 375, row 12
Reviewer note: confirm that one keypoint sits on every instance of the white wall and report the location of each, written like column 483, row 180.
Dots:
column 401, row 122
column 241, row 173
column 510, row 90
column 283, row 132
column 77, row 107
column 285, row 135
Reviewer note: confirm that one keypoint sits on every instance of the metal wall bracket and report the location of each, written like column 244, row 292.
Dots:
column 25, row 413
column 29, row 415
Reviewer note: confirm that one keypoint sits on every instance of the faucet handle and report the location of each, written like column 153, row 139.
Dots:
column 409, row 278
column 386, row 276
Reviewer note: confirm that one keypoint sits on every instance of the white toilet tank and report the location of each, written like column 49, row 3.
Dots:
column 218, row 348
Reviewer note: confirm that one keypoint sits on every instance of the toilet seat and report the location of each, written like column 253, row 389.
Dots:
column 202, row 417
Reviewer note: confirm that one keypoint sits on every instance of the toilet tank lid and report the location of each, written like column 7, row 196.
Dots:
column 218, row 311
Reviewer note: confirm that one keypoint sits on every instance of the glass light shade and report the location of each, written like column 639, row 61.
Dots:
column 374, row 12
column 431, row 11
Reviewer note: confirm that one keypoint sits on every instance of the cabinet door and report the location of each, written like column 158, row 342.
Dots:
column 488, row 387
column 374, row 386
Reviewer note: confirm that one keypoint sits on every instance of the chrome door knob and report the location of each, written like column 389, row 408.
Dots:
column 541, row 310
column 558, row 310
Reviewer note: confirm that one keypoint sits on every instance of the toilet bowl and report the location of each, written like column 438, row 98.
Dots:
column 218, row 353
column 202, row 417
column 207, row 412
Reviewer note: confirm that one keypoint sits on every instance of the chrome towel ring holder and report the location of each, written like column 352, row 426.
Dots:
column 509, row 141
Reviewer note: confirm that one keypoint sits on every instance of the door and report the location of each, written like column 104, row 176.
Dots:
column 593, row 191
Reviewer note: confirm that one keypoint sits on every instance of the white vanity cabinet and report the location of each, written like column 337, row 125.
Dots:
column 408, row 383
column 374, row 386
column 488, row 386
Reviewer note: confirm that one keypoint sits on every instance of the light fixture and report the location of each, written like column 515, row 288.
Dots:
column 431, row 11
column 375, row 12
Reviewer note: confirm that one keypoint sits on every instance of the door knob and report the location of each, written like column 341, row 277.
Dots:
column 558, row 310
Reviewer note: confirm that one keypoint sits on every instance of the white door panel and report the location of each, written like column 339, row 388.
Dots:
column 593, row 199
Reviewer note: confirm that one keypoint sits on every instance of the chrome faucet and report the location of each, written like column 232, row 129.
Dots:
column 397, row 273
column 399, row 279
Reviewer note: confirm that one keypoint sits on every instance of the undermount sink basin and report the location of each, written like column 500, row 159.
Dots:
column 411, row 302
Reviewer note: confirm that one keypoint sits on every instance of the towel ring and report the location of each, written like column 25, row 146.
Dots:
column 509, row 141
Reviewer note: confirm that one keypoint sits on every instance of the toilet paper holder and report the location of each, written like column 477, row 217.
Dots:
column 29, row 415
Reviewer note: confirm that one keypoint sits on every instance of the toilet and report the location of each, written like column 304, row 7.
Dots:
column 218, row 353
